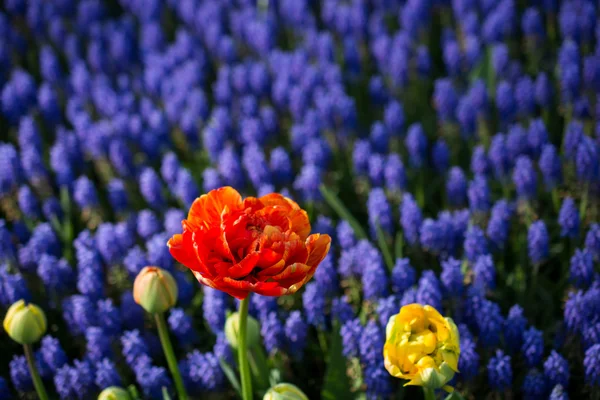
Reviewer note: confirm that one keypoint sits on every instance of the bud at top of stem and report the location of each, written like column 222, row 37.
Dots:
column 232, row 330
column 25, row 323
column 155, row 290
column 114, row 393
column 285, row 391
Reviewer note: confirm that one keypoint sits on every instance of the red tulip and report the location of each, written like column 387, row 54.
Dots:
column 239, row 246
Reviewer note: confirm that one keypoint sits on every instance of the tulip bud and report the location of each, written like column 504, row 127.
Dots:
column 25, row 323
column 285, row 391
column 114, row 393
column 155, row 290
column 232, row 329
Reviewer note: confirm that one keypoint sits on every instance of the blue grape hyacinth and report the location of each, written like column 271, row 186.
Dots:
column 450, row 151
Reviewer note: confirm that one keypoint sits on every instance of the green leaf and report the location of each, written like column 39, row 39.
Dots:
column 484, row 70
column 336, row 384
column 334, row 201
column 464, row 267
column 454, row 396
column 66, row 232
column 133, row 392
column 383, row 246
column 275, row 377
column 165, row 393
column 259, row 367
column 398, row 244
column 478, row 71
column 231, row 376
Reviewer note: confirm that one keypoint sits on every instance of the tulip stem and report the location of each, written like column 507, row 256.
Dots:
column 428, row 394
column 163, row 333
column 243, row 351
column 35, row 375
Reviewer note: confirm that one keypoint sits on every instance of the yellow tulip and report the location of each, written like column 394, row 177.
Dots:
column 422, row 347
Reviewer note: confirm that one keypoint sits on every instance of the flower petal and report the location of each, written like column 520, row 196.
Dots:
column 318, row 247
column 297, row 216
column 275, row 199
column 207, row 209
column 274, row 216
column 182, row 249
column 268, row 258
column 296, row 278
column 244, row 267
column 293, row 273
column 264, row 288
column 238, row 294
column 272, row 270
column 269, row 289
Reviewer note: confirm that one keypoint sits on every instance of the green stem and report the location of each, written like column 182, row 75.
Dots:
column 383, row 246
column 163, row 333
column 398, row 244
column 259, row 367
column 243, row 351
column 428, row 394
column 555, row 200
column 420, row 195
column 584, row 201
column 66, row 231
column 35, row 376
column 322, row 341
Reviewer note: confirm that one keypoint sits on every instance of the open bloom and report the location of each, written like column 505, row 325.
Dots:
column 422, row 346
column 248, row 245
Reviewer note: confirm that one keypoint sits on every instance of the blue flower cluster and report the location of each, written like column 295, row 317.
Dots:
column 461, row 136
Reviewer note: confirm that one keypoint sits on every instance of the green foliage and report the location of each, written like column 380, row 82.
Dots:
column 336, row 384
column 231, row 375
column 383, row 246
column 334, row 202
column 454, row 396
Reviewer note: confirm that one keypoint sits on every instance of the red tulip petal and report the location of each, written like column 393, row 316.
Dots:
column 292, row 273
column 293, row 285
column 244, row 267
column 207, row 209
column 259, row 287
column 181, row 248
column 272, row 270
column 297, row 216
column 318, row 246
column 295, row 251
column 300, row 223
column 275, row 216
column 268, row 257
column 270, row 290
column 275, row 199
column 204, row 242
column 218, row 285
